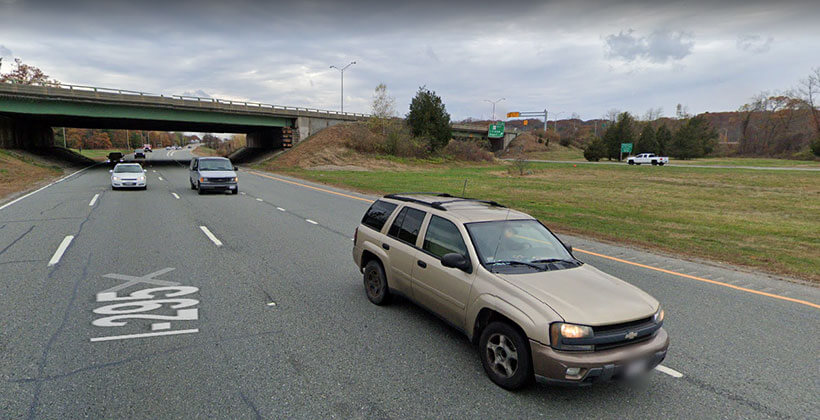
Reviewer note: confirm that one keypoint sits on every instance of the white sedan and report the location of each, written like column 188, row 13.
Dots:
column 128, row 175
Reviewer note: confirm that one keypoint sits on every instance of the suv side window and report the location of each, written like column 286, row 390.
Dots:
column 193, row 164
column 443, row 237
column 407, row 225
column 377, row 215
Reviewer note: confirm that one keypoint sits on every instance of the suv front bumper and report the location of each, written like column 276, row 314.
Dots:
column 550, row 366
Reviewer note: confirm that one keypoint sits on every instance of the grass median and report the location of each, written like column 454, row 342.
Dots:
column 768, row 220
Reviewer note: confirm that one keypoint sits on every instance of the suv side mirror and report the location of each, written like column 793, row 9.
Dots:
column 454, row 260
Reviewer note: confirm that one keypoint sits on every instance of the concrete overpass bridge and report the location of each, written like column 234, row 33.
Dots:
column 467, row 131
column 27, row 113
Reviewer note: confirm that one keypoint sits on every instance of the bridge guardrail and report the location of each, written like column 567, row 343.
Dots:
column 200, row 100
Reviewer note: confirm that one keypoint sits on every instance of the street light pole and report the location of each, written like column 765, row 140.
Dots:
column 494, row 102
column 342, row 71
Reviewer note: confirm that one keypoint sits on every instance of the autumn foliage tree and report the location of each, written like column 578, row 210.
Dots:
column 25, row 74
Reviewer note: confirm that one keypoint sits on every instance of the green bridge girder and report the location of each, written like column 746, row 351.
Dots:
column 90, row 110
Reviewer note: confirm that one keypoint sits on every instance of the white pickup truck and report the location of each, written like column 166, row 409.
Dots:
column 647, row 158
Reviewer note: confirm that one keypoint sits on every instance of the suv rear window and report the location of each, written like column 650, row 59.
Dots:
column 377, row 215
column 407, row 225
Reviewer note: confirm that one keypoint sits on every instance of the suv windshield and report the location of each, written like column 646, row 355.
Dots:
column 519, row 244
column 128, row 169
column 215, row 165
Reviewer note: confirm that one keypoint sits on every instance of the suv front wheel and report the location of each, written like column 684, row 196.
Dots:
column 375, row 283
column 505, row 354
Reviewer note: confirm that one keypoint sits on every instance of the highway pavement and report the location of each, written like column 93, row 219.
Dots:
column 260, row 313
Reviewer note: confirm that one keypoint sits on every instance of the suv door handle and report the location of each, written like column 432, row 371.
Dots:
column 421, row 264
column 385, row 246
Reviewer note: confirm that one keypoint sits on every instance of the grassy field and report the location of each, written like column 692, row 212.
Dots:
column 762, row 219
column 100, row 154
column 205, row 151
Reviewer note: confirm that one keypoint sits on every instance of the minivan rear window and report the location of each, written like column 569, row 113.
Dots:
column 377, row 215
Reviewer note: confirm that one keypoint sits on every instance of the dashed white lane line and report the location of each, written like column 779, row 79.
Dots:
column 259, row 199
column 271, row 303
column 61, row 250
column 671, row 372
column 211, row 236
column 242, row 192
column 160, row 178
column 154, row 170
column 93, row 200
column 280, row 209
column 42, row 188
column 175, row 195
column 311, row 221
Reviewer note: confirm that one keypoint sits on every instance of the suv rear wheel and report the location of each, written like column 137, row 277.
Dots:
column 375, row 283
column 505, row 354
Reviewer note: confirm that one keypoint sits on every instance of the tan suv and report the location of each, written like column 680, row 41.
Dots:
column 513, row 287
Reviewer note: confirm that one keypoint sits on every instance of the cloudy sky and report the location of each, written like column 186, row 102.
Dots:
column 580, row 57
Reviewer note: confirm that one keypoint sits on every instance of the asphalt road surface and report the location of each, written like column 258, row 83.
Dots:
column 270, row 320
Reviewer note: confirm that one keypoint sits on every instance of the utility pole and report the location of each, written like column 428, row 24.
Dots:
column 342, row 71
column 494, row 102
column 64, row 142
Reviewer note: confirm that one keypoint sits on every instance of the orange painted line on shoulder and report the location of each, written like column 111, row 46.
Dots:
column 675, row 273
column 310, row 186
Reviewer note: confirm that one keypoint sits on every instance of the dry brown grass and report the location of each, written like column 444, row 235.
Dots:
column 20, row 171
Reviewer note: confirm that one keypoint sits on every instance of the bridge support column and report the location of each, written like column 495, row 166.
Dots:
column 20, row 133
column 269, row 138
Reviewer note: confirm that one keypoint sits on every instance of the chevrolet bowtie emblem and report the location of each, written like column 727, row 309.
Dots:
column 630, row 335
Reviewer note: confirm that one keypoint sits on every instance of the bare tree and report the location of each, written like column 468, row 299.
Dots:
column 383, row 108
column 612, row 115
column 653, row 114
column 808, row 93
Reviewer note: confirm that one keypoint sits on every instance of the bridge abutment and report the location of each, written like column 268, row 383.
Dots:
column 21, row 133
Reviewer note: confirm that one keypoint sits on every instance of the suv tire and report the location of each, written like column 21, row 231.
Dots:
column 193, row 187
column 375, row 283
column 199, row 188
column 505, row 355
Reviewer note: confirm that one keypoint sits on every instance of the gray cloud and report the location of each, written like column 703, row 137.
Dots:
column 754, row 43
column 536, row 54
column 657, row 47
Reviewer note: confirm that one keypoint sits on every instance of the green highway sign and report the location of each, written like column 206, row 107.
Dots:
column 496, row 130
column 626, row 147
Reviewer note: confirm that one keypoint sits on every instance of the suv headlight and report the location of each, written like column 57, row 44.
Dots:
column 562, row 336
column 658, row 317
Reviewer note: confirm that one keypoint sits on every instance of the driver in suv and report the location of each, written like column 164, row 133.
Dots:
column 507, row 282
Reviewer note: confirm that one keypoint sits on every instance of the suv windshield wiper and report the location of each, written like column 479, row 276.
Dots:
column 518, row 263
column 552, row 260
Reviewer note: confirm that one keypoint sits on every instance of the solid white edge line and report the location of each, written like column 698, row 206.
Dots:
column 211, row 236
column 259, row 199
column 143, row 335
column 42, row 188
column 311, row 221
column 175, row 195
column 280, row 209
column 60, row 250
column 93, row 200
column 671, row 372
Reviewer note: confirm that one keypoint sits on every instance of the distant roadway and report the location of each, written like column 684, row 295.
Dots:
column 271, row 320
column 761, row 168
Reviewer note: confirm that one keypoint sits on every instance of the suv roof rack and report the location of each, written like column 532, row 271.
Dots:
column 439, row 205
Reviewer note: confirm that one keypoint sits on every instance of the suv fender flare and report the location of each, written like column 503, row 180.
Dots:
column 507, row 309
column 378, row 252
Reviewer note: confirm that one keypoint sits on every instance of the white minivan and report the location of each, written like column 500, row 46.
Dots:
column 213, row 174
